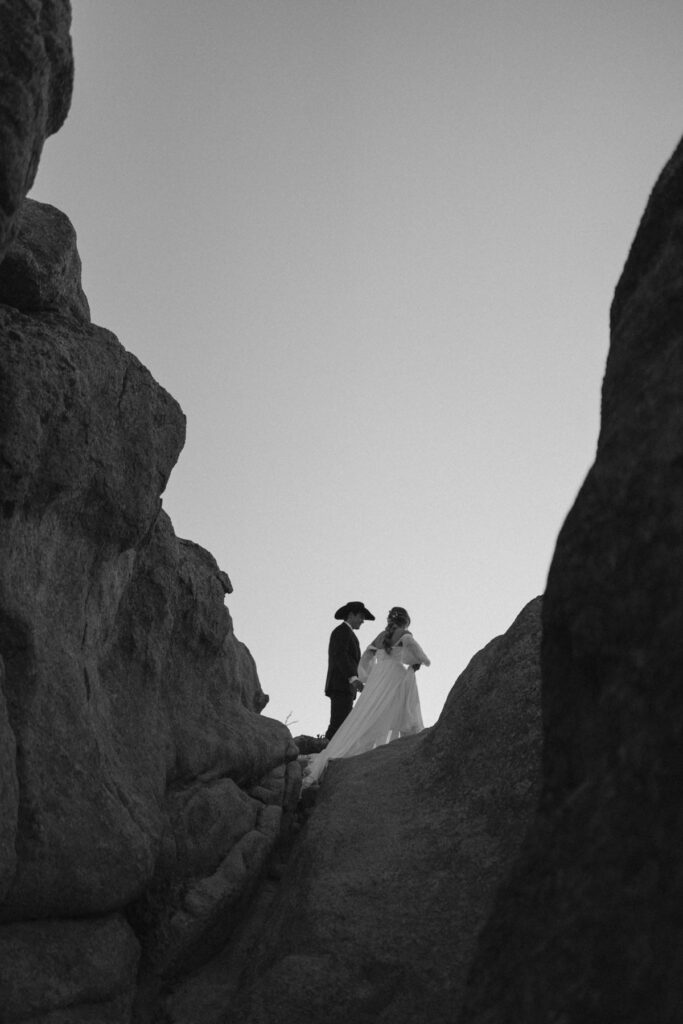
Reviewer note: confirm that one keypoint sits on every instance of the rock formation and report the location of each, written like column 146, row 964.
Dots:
column 41, row 270
column 396, row 869
column 588, row 928
column 142, row 793
column 36, row 71
column 141, row 790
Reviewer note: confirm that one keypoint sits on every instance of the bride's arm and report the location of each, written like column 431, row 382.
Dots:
column 414, row 655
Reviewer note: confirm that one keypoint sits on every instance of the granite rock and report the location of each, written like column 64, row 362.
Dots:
column 397, row 866
column 9, row 794
column 587, row 929
column 196, row 918
column 131, row 740
column 130, row 710
column 68, row 972
column 36, row 71
column 42, row 269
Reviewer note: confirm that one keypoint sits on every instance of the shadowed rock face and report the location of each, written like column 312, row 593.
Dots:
column 399, row 861
column 141, row 792
column 588, row 929
column 91, row 966
column 41, row 270
column 36, row 80
column 9, row 793
column 136, row 772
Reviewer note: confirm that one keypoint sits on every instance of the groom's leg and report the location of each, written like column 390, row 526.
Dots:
column 340, row 706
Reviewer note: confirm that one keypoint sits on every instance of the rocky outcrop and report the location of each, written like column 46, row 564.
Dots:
column 310, row 744
column 396, row 869
column 36, row 72
column 133, row 707
column 82, row 971
column 141, row 790
column 588, row 928
column 41, row 270
column 9, row 793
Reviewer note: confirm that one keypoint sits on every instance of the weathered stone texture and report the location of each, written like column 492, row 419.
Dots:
column 41, row 270
column 9, row 793
column 138, row 774
column 36, row 81
column 80, row 485
column 588, row 929
column 88, row 438
column 201, row 913
column 398, row 864
column 68, row 972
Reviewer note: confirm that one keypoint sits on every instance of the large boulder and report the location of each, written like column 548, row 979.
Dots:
column 138, row 773
column 398, row 864
column 119, row 650
column 87, row 440
column 9, row 793
column 68, row 972
column 36, row 76
column 588, row 929
column 42, row 269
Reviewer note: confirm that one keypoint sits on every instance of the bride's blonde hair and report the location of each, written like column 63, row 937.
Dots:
column 397, row 617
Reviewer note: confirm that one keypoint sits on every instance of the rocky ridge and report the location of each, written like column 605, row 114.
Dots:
column 394, row 874
column 587, row 929
column 517, row 862
column 37, row 72
column 141, row 789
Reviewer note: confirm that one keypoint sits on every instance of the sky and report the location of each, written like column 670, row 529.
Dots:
column 370, row 247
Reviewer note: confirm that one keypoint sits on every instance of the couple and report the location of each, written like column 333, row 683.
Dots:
column 388, row 705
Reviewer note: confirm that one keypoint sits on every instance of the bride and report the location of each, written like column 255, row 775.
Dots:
column 389, row 705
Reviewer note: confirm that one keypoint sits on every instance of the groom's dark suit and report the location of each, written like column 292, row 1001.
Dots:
column 342, row 666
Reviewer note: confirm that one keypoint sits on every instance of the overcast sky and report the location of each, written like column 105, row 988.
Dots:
column 370, row 247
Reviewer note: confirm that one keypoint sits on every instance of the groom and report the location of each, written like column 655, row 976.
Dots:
column 342, row 683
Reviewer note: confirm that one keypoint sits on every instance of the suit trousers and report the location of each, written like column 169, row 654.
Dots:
column 340, row 706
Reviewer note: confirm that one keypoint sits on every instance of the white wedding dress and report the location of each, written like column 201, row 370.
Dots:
column 388, row 706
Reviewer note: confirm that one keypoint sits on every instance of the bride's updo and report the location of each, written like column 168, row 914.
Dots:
column 397, row 618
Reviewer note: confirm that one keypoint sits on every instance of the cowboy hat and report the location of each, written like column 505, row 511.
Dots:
column 351, row 608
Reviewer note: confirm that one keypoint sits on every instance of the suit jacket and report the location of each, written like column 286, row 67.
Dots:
column 343, row 656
